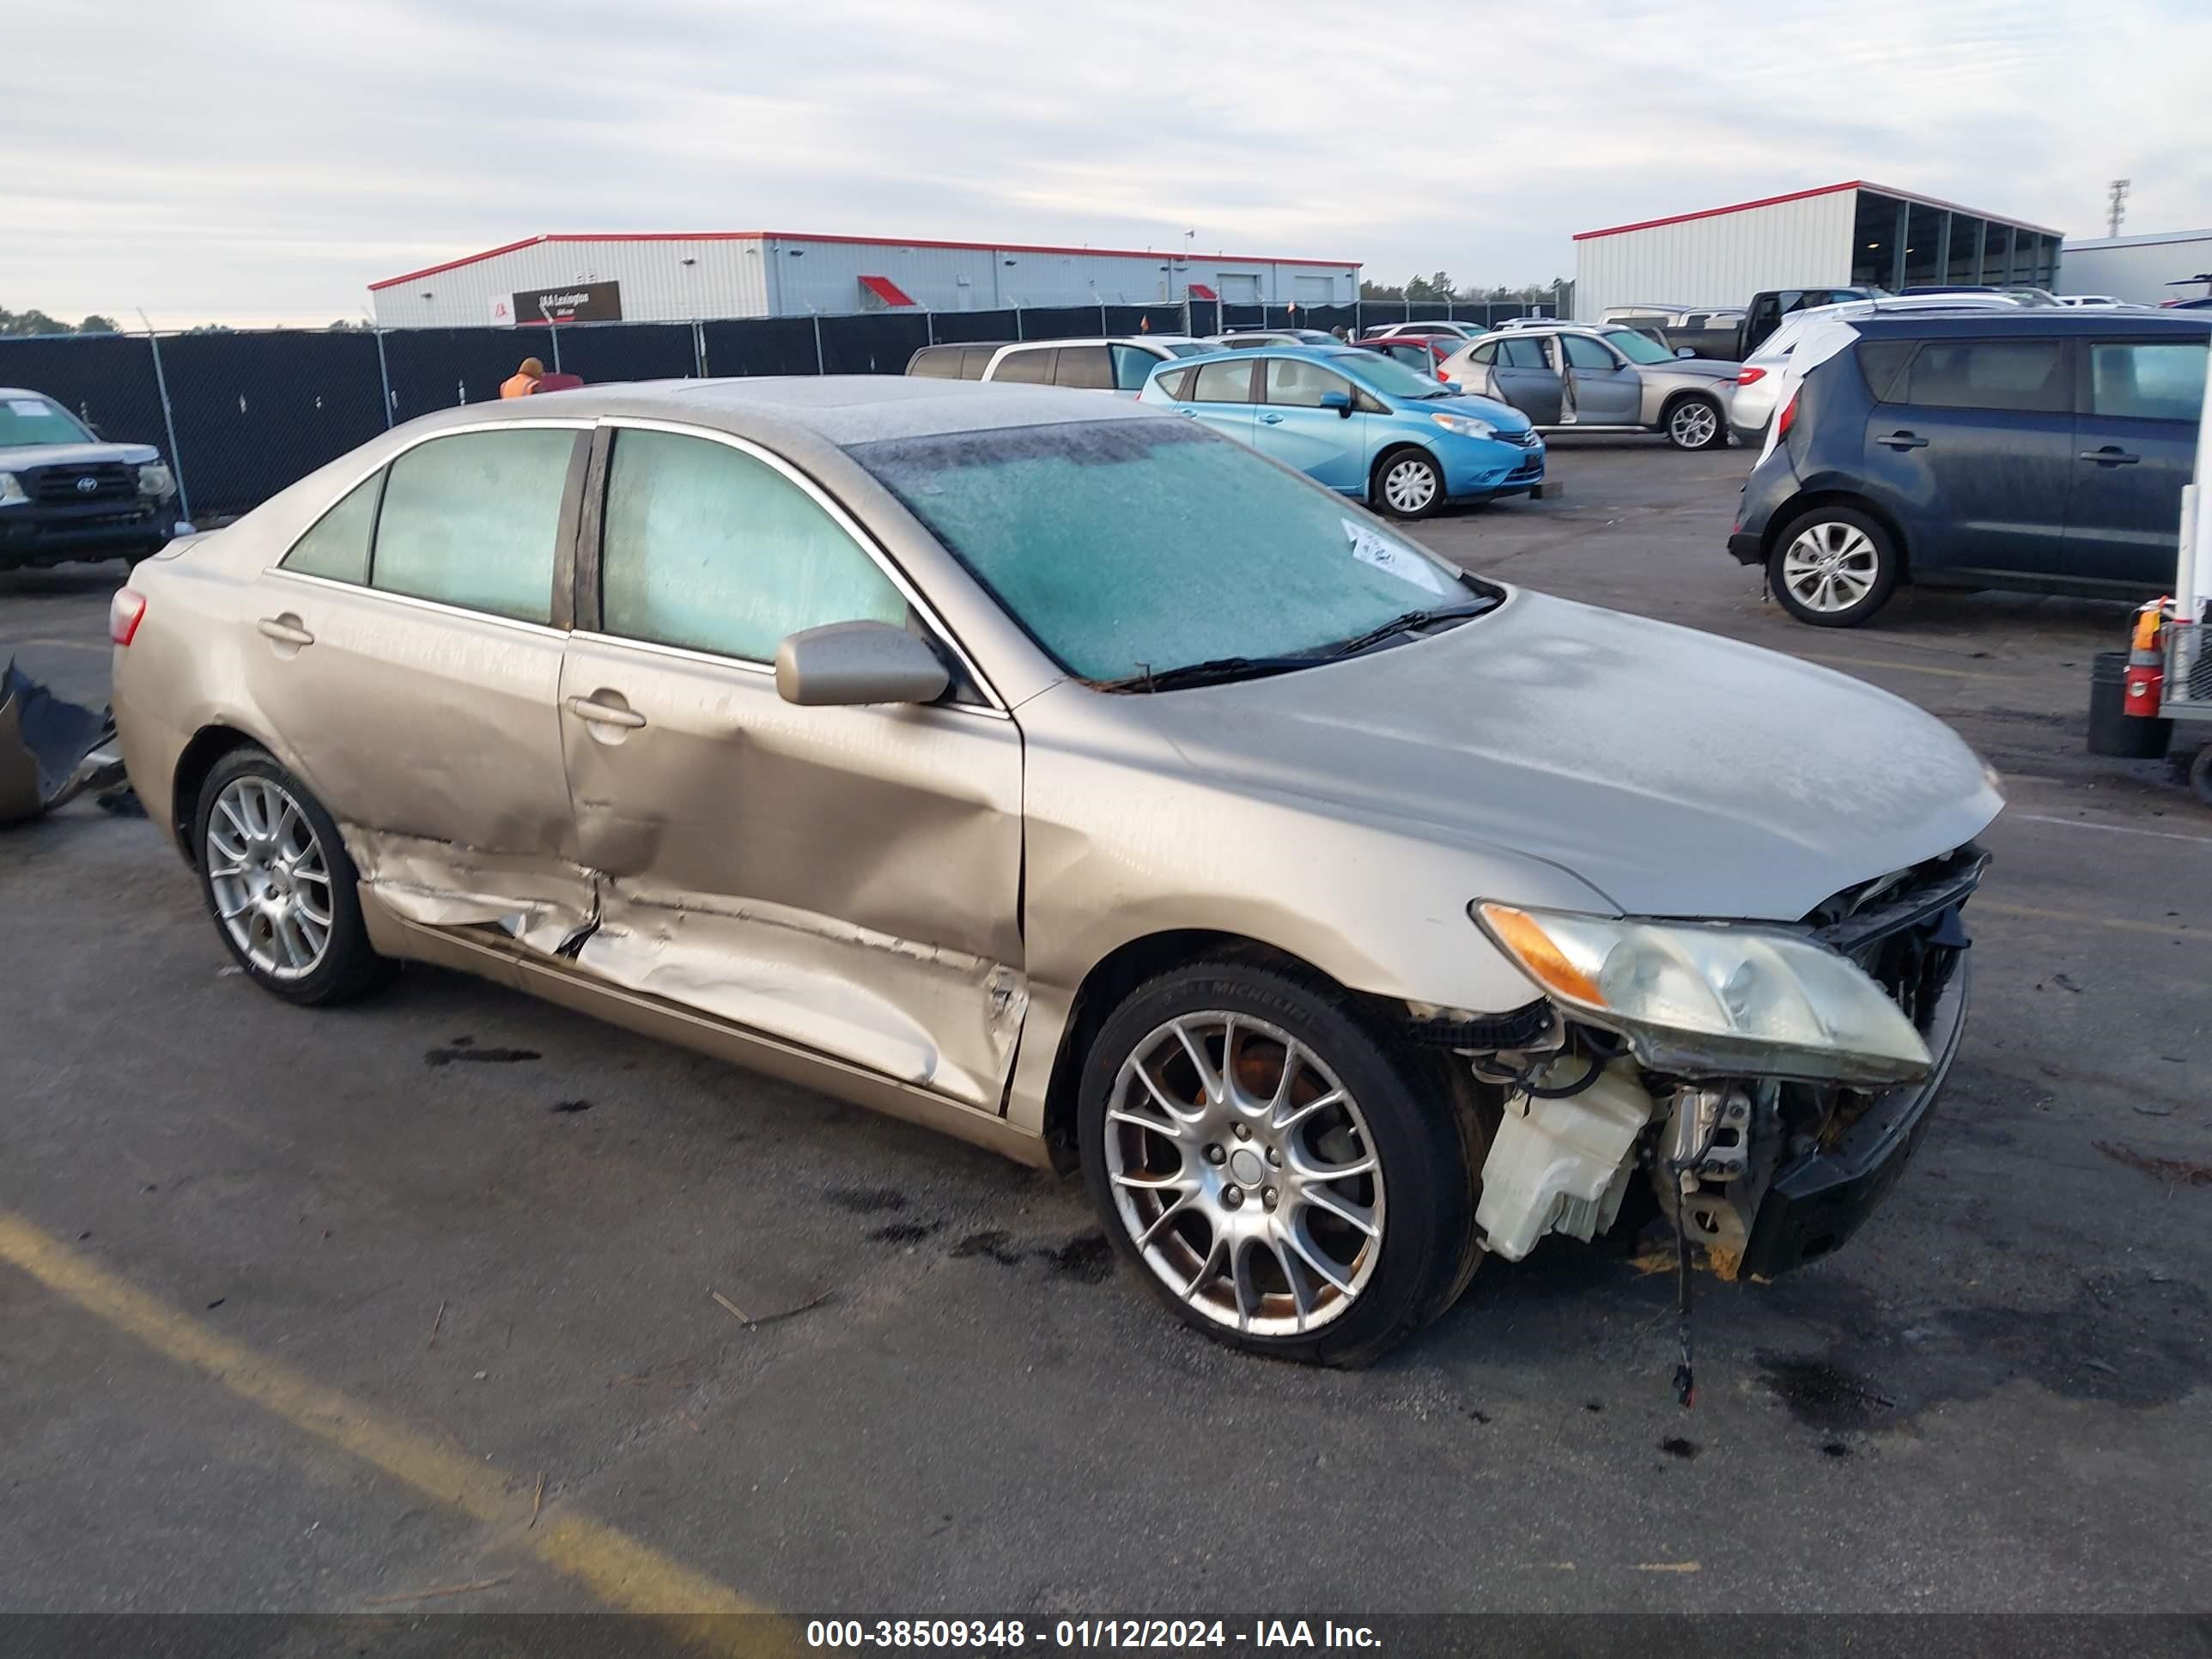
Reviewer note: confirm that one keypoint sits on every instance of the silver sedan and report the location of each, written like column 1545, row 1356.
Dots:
column 1569, row 377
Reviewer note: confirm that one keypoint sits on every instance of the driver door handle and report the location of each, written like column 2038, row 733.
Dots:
column 285, row 630
column 1271, row 420
column 1903, row 440
column 601, row 713
column 2110, row 455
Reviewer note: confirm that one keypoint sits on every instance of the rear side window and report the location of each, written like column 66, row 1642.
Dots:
column 1881, row 361
column 1085, row 367
column 2016, row 375
column 1027, row 368
column 935, row 363
column 337, row 546
column 1226, row 382
column 471, row 521
column 2151, row 382
column 707, row 547
column 1523, row 351
column 1483, row 353
column 974, row 359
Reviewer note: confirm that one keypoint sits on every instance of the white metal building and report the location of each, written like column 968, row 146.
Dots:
column 1851, row 234
column 2144, row 270
column 674, row 277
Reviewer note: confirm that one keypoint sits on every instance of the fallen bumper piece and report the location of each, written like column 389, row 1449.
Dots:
column 52, row 751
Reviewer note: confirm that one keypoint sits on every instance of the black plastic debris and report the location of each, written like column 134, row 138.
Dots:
column 52, row 750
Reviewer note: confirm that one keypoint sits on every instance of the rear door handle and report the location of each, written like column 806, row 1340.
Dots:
column 284, row 629
column 1903, row 440
column 601, row 713
column 1271, row 420
column 2110, row 455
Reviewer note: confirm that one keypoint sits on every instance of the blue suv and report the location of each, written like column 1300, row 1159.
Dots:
column 2043, row 450
column 1361, row 423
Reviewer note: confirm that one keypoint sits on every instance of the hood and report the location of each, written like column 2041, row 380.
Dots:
column 1703, row 367
column 1503, row 416
column 23, row 457
column 1678, row 772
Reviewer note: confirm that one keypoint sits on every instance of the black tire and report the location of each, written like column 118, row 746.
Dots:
column 2200, row 774
column 1378, row 492
column 1685, row 430
column 348, row 967
column 1847, row 530
column 1421, row 1127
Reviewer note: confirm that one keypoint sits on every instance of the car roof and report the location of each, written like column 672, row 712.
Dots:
column 1112, row 339
column 2029, row 322
column 24, row 391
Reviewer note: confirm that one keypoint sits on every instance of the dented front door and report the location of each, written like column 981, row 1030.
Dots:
column 844, row 879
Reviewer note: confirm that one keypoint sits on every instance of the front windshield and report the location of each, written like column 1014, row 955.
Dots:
column 26, row 421
column 1129, row 546
column 1637, row 348
column 1389, row 376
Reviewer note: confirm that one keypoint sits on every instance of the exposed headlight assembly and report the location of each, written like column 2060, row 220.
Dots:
column 1719, row 998
column 156, row 480
column 1466, row 425
column 11, row 490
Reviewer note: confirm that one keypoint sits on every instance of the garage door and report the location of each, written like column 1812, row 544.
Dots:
column 1314, row 290
column 1240, row 287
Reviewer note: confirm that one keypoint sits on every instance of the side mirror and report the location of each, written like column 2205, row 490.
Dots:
column 844, row 663
column 1684, row 352
column 1339, row 401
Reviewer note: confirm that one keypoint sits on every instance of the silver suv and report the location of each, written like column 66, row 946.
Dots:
column 1569, row 377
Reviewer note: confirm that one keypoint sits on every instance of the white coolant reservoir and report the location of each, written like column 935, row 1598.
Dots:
column 1561, row 1164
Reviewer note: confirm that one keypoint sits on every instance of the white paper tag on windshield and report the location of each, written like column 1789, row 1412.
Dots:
column 1369, row 548
column 27, row 406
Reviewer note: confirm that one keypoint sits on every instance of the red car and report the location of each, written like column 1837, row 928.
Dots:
column 1425, row 352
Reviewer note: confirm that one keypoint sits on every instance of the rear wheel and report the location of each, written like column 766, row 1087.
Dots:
column 1833, row 567
column 2200, row 774
column 1695, row 423
column 279, row 884
column 1282, row 1180
column 1408, row 484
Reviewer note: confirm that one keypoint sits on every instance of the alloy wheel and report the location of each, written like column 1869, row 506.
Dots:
column 1831, row 566
column 1410, row 486
column 270, row 877
column 1244, row 1173
column 1693, row 425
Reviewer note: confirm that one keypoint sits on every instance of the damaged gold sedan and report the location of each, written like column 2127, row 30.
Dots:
column 1071, row 779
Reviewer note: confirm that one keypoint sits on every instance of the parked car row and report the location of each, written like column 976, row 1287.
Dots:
column 66, row 494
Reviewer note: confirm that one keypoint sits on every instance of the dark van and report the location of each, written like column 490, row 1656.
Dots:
column 2043, row 450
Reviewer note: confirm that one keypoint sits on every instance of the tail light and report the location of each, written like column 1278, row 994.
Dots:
column 1745, row 376
column 125, row 612
column 1445, row 378
column 1786, row 418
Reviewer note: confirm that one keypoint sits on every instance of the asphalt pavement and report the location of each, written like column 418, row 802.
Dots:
column 454, row 1299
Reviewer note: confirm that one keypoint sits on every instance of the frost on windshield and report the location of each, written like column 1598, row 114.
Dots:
column 1127, row 546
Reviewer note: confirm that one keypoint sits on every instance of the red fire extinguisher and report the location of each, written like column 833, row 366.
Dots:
column 2145, row 681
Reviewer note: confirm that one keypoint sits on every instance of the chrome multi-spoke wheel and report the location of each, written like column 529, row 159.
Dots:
column 270, row 877
column 1695, row 424
column 1831, row 566
column 1244, row 1174
column 1411, row 486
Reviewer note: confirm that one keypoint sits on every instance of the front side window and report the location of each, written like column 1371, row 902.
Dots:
column 1582, row 352
column 1026, row 367
column 1393, row 378
column 1133, row 367
column 1226, row 382
column 472, row 521
column 704, row 546
column 1133, row 544
column 2001, row 374
column 1298, row 385
column 2151, row 382
column 26, row 421
column 1637, row 348
column 337, row 546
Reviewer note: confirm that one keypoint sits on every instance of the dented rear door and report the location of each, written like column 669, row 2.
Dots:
column 844, row 879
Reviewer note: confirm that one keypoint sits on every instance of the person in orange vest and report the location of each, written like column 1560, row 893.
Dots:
column 524, row 380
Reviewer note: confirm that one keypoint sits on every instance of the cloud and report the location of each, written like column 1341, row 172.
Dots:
column 241, row 161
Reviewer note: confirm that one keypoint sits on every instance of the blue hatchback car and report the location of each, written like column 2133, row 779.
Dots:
column 1361, row 423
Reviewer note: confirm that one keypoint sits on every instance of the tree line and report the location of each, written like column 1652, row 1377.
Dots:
column 36, row 321
column 1439, row 286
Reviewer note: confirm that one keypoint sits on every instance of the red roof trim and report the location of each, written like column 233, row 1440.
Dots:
column 1200, row 291
column 1172, row 255
column 1799, row 196
column 887, row 290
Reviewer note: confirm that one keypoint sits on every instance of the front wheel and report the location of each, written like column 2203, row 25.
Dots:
column 1695, row 423
column 1408, row 484
column 1833, row 567
column 1284, row 1180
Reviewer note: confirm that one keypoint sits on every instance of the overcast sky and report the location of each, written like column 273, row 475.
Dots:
column 224, row 160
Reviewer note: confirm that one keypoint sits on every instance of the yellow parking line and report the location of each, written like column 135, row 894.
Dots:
column 2075, row 918
column 615, row 1568
column 1908, row 667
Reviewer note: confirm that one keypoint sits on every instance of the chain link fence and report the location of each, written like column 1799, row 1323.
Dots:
column 239, row 414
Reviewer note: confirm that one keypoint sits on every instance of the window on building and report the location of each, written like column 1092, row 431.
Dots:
column 1924, row 250
column 2019, row 375
column 1874, row 241
column 707, row 547
column 1966, row 234
column 473, row 520
column 337, row 546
